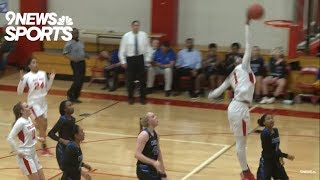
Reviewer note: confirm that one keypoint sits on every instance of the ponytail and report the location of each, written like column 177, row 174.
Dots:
column 17, row 112
column 262, row 120
column 144, row 122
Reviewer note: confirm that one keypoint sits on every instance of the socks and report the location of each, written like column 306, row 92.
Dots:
column 241, row 142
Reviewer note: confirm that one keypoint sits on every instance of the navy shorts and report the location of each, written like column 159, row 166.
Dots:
column 145, row 172
column 271, row 168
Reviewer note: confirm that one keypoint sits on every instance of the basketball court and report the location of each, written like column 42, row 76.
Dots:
column 195, row 139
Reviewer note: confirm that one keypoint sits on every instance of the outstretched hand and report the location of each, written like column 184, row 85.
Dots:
column 21, row 74
column 52, row 75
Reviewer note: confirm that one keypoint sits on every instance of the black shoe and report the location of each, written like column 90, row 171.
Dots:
column 112, row 89
column 104, row 88
column 131, row 101
column 167, row 93
column 194, row 96
column 143, row 101
column 149, row 91
column 177, row 93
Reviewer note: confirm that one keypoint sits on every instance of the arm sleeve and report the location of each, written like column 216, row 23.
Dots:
column 217, row 92
column 66, row 48
column 179, row 60
column 122, row 50
column 279, row 152
column 18, row 126
column 22, row 85
column 52, row 133
column 148, row 55
column 247, row 54
column 173, row 56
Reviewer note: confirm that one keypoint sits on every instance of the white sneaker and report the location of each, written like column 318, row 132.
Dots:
column 271, row 100
column 264, row 100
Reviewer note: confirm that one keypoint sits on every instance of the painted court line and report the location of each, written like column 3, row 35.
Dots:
column 214, row 156
column 162, row 139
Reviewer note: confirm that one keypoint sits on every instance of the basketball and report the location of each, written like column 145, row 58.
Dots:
column 255, row 11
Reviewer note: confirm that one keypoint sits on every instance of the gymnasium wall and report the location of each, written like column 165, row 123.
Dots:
column 106, row 15
column 220, row 21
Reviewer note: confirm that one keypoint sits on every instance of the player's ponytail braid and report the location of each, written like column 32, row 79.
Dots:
column 17, row 112
column 144, row 121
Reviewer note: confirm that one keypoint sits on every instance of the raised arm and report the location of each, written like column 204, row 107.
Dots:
column 247, row 53
column 22, row 83
column 50, row 80
column 217, row 92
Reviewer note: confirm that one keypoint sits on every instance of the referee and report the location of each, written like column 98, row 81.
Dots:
column 134, row 50
column 74, row 51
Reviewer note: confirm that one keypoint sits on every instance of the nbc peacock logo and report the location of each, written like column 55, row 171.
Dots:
column 47, row 26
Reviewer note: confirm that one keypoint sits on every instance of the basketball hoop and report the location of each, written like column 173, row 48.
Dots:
column 293, row 34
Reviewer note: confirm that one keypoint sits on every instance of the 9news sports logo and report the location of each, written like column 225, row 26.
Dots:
column 24, row 24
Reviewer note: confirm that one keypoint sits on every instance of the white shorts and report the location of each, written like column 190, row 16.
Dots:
column 239, row 118
column 39, row 107
column 30, row 163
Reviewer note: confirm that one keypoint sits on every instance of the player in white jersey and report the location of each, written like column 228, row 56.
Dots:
column 242, row 80
column 24, row 129
column 39, row 85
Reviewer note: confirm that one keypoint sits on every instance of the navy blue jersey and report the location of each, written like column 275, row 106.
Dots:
column 64, row 128
column 277, row 70
column 72, row 162
column 257, row 66
column 151, row 149
column 271, row 144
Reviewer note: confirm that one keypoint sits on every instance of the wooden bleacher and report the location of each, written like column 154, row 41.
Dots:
column 61, row 65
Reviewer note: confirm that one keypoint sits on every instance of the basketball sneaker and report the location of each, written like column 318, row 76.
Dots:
column 247, row 175
column 45, row 152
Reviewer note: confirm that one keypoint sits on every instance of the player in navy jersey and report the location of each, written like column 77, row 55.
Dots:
column 150, row 163
column 72, row 156
column 64, row 128
column 271, row 161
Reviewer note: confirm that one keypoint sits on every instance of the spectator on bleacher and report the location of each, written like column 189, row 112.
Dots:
column 134, row 51
column 163, row 63
column 74, row 51
column 230, row 58
column 210, row 70
column 188, row 64
column 257, row 66
column 277, row 72
column 112, row 70
column 155, row 45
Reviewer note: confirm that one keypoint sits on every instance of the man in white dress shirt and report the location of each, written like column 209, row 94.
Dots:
column 134, row 51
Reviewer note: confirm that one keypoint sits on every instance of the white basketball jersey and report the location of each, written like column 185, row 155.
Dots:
column 37, row 83
column 26, row 132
